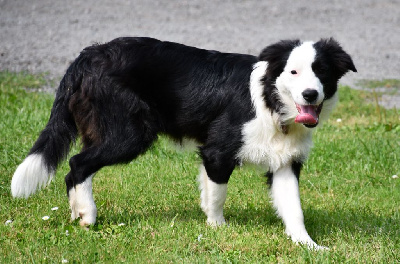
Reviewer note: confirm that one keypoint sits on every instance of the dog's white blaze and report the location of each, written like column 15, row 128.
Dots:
column 213, row 197
column 82, row 203
column 31, row 174
column 292, row 85
column 286, row 200
column 264, row 143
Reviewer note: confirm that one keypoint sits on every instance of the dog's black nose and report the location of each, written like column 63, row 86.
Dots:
column 310, row 95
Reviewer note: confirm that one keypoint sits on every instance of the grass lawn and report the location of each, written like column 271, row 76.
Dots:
column 148, row 210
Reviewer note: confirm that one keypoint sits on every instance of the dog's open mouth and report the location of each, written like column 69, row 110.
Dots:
column 308, row 114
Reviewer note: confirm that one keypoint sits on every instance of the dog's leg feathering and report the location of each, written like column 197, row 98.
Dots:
column 286, row 200
column 213, row 196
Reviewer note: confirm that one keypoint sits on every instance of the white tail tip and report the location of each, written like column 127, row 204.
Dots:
column 31, row 174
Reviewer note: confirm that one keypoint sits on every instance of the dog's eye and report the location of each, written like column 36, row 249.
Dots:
column 294, row 72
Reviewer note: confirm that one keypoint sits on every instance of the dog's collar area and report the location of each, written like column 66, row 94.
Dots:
column 284, row 129
column 308, row 115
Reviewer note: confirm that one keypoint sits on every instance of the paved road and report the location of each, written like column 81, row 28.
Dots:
column 46, row 35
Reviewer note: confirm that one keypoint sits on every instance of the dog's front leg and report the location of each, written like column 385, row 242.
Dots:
column 286, row 200
column 213, row 196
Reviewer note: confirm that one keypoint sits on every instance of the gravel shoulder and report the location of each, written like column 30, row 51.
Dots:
column 45, row 35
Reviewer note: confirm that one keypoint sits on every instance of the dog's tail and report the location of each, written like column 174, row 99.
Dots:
column 54, row 141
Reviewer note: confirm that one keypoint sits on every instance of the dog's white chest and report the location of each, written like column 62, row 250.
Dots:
column 264, row 145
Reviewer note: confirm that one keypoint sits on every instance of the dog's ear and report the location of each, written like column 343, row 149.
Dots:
column 277, row 55
column 279, row 51
column 340, row 59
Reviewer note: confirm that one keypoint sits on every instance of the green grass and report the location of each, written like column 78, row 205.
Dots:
column 350, row 200
column 385, row 83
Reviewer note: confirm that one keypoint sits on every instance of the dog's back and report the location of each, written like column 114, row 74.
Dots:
column 179, row 89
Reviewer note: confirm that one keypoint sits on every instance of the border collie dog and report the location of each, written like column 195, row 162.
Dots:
column 240, row 108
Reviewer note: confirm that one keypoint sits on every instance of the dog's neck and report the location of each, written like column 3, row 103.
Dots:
column 286, row 129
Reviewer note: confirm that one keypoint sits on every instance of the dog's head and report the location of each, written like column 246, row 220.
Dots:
column 303, row 77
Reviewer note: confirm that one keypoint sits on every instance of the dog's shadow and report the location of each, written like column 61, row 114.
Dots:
column 319, row 223
column 322, row 223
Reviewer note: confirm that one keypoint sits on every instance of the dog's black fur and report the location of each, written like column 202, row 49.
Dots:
column 120, row 95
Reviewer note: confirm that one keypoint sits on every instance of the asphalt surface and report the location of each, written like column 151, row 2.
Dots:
column 46, row 35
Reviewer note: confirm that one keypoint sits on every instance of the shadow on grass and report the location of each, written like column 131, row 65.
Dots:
column 320, row 224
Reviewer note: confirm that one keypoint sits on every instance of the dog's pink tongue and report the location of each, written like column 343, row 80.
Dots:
column 307, row 115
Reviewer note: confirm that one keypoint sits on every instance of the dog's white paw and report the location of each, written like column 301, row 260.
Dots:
column 318, row 247
column 216, row 221
column 87, row 218
column 312, row 245
column 86, row 211
column 303, row 238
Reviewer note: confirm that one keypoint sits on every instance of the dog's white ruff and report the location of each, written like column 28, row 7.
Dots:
column 263, row 141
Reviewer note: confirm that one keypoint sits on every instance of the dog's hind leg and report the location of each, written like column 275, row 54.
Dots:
column 286, row 199
column 116, row 149
column 82, row 203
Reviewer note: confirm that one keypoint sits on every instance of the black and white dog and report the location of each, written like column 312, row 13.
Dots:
column 120, row 95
